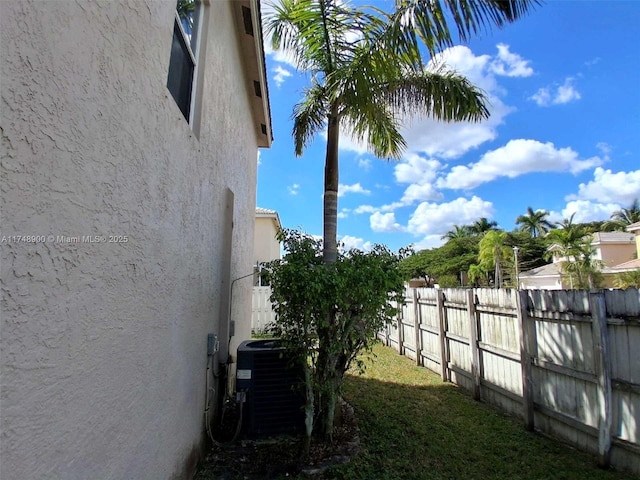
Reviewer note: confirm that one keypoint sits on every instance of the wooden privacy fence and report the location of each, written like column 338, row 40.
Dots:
column 566, row 361
column 261, row 314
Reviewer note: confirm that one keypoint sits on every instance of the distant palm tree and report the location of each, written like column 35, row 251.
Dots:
column 483, row 225
column 568, row 237
column 459, row 231
column 620, row 219
column 494, row 254
column 535, row 223
column 584, row 268
column 477, row 274
column 574, row 246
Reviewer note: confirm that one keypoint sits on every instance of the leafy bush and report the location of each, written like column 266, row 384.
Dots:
column 328, row 314
column 628, row 279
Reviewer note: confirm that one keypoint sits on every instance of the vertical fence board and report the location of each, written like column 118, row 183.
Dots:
column 444, row 356
column 600, row 334
column 473, row 343
column 525, row 359
column 416, row 326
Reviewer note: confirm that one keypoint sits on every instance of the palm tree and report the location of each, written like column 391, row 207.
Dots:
column 620, row 219
column 494, row 254
column 458, row 231
column 366, row 73
column 482, row 226
column 476, row 274
column 566, row 238
column 535, row 223
column 571, row 244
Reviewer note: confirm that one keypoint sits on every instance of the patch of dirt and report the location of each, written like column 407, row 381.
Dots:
column 279, row 457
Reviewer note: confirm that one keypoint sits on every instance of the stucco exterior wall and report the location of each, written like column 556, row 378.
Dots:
column 103, row 345
column 615, row 254
column 266, row 246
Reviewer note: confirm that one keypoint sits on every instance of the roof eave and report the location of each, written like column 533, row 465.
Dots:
column 248, row 18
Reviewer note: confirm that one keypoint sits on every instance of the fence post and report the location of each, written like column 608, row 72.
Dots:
column 526, row 337
column 603, row 372
column 444, row 348
column 417, row 320
column 400, row 328
column 473, row 343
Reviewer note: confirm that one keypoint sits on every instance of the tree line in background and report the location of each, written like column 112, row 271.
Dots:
column 481, row 254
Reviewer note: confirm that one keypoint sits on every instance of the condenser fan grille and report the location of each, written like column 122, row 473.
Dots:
column 274, row 397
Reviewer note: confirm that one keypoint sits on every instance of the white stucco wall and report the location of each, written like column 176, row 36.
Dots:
column 266, row 246
column 103, row 345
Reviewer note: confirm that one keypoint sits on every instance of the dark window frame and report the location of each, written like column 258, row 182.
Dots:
column 183, row 63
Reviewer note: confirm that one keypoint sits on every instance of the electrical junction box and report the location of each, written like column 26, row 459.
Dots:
column 274, row 390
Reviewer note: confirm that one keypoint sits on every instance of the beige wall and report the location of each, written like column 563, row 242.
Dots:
column 615, row 254
column 103, row 345
column 266, row 246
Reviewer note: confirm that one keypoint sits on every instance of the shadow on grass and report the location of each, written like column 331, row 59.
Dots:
column 413, row 426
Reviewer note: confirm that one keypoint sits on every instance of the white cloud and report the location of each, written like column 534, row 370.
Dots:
column 420, row 173
column 281, row 74
column 258, row 158
column 608, row 187
column 586, row 211
column 428, row 242
column 604, row 148
column 517, row 157
column 365, row 209
column 384, row 208
column 415, row 169
column 542, row 97
column 438, row 218
column 510, row 64
column 349, row 242
column 365, row 164
column 420, row 192
column 355, row 188
column 564, row 93
column 384, row 222
column 293, row 189
column 344, row 213
column 451, row 140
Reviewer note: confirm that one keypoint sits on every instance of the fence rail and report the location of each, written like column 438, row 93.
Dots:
column 566, row 361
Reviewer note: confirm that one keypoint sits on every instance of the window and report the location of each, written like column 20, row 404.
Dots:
column 184, row 54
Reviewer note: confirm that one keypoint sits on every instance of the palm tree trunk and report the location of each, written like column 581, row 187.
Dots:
column 330, row 225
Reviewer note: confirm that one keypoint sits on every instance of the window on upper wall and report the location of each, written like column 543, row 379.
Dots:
column 183, row 62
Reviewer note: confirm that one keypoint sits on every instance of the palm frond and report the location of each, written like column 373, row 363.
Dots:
column 444, row 96
column 434, row 20
column 309, row 116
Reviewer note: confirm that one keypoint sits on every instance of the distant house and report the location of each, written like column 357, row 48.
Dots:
column 129, row 138
column 266, row 246
column 610, row 248
column 633, row 264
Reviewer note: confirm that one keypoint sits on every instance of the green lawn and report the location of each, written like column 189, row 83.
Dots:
column 414, row 426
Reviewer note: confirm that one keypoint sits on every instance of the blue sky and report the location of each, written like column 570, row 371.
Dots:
column 564, row 136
